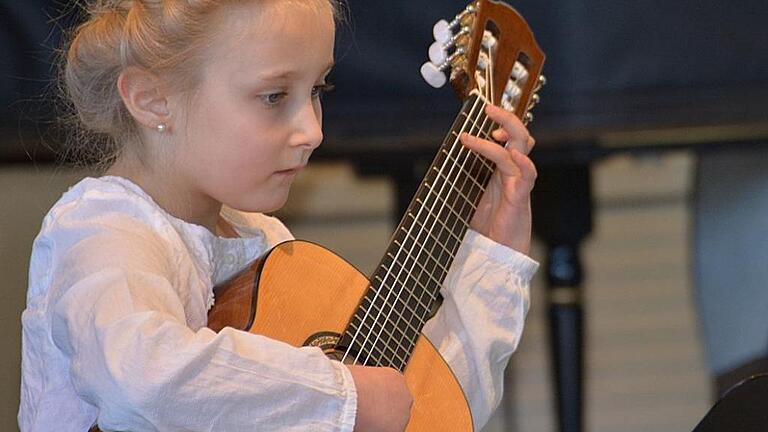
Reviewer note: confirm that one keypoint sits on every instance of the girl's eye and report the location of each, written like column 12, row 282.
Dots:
column 319, row 90
column 273, row 99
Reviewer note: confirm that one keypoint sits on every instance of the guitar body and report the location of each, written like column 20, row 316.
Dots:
column 303, row 294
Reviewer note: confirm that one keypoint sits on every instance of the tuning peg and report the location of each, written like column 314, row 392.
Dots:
column 542, row 81
column 442, row 31
column 534, row 101
column 489, row 40
column 438, row 53
column 519, row 73
column 434, row 75
column 483, row 62
column 528, row 118
column 512, row 90
column 507, row 104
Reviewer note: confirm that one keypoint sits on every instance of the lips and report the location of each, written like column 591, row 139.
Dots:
column 289, row 171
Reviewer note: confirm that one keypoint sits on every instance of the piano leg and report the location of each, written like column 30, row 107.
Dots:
column 562, row 215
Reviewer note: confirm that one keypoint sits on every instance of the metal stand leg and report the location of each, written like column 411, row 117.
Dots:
column 562, row 210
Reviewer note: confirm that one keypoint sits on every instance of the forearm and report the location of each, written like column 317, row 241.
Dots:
column 134, row 358
column 481, row 320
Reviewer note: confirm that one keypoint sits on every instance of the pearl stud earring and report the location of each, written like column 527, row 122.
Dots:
column 161, row 127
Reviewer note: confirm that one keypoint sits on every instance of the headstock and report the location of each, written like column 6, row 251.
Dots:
column 488, row 47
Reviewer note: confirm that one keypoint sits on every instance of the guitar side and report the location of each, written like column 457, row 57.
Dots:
column 301, row 293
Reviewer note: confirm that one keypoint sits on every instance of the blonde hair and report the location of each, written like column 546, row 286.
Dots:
column 166, row 37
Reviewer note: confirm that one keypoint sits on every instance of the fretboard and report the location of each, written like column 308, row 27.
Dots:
column 406, row 284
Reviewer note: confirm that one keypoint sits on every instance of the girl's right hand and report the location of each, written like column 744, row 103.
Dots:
column 383, row 399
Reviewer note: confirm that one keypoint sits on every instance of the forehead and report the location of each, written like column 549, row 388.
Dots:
column 273, row 34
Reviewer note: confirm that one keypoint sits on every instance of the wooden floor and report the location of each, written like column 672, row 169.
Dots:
column 644, row 361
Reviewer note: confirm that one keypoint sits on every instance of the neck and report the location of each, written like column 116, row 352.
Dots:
column 405, row 288
column 165, row 190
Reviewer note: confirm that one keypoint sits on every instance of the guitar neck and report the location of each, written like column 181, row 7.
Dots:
column 406, row 284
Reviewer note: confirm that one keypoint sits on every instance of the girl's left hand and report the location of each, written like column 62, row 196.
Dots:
column 504, row 212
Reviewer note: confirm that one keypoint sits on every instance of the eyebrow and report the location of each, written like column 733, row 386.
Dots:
column 287, row 75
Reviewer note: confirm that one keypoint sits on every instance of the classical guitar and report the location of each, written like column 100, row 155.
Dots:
column 303, row 294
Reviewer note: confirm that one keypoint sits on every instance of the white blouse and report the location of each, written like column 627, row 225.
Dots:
column 115, row 331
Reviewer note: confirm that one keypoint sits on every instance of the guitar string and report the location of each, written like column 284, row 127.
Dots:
column 386, row 276
column 403, row 342
column 460, row 220
column 409, row 323
column 416, row 259
column 489, row 91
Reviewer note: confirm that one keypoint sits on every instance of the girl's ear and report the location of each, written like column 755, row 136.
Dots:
column 143, row 95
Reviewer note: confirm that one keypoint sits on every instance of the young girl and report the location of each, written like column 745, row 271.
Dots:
column 213, row 108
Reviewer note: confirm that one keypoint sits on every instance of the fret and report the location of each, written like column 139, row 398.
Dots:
column 381, row 345
column 437, row 219
column 465, row 194
column 377, row 310
column 437, row 195
column 433, row 260
column 409, row 304
column 424, row 201
column 426, row 297
column 468, row 176
column 379, row 350
column 429, row 243
column 393, row 349
column 454, row 203
column 482, row 134
column 428, row 272
column 409, row 331
column 428, row 267
column 427, row 260
column 426, row 286
column 461, row 214
column 372, row 304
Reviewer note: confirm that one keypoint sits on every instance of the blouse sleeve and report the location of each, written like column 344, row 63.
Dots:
column 478, row 327
column 120, row 322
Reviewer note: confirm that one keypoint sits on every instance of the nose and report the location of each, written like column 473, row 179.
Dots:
column 309, row 126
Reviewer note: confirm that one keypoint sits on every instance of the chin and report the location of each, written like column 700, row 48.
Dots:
column 269, row 204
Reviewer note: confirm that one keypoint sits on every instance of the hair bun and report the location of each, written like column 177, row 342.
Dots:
column 110, row 6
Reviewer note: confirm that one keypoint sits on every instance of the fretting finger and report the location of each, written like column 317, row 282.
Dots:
column 495, row 153
column 514, row 128
column 531, row 144
column 526, row 166
column 500, row 135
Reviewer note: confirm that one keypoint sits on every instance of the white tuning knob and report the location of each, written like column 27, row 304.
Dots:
column 512, row 90
column 519, row 72
column 528, row 118
column 433, row 75
column 489, row 40
column 442, row 31
column 437, row 53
